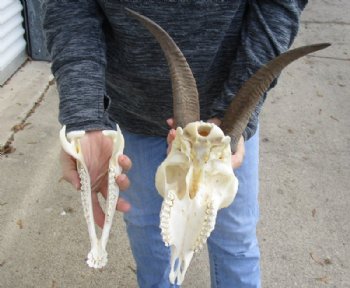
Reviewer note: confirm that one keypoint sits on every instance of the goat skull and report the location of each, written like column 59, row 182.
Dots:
column 196, row 179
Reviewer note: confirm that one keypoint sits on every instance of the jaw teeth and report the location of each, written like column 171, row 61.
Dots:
column 84, row 191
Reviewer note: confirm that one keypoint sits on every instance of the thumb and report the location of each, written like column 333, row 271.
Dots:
column 73, row 178
column 69, row 169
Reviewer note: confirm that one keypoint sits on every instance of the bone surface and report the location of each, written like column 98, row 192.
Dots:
column 195, row 180
column 97, row 257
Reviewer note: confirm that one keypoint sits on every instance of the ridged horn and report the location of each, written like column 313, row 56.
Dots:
column 244, row 103
column 185, row 93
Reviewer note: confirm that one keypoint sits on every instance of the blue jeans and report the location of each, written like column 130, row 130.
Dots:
column 233, row 248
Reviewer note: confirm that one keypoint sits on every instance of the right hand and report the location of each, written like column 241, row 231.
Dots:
column 97, row 150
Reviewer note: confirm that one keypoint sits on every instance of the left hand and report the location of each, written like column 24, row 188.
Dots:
column 236, row 158
column 97, row 150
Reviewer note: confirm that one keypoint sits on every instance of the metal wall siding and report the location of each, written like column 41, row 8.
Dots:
column 12, row 43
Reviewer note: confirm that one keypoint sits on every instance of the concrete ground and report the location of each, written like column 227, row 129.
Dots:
column 304, row 230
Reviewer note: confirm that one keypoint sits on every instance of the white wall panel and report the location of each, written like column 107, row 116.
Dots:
column 12, row 43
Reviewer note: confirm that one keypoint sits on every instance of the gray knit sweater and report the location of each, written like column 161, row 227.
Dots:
column 110, row 69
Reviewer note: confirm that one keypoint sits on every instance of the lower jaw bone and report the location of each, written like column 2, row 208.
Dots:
column 97, row 257
column 196, row 180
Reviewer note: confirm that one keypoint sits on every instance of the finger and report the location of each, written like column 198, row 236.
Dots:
column 236, row 161
column 123, row 205
column 99, row 215
column 171, row 123
column 122, row 181
column 170, row 138
column 125, row 162
column 73, row 178
column 214, row 120
column 238, row 157
column 69, row 169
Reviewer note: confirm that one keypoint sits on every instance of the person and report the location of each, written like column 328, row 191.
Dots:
column 109, row 69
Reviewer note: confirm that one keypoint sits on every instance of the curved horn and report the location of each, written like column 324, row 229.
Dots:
column 243, row 104
column 185, row 93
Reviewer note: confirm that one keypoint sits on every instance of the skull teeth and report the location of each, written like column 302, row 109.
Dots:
column 168, row 203
column 207, row 228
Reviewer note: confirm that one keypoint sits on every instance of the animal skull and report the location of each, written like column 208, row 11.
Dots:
column 196, row 178
column 97, row 257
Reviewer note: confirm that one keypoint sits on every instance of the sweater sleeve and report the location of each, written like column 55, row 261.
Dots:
column 268, row 30
column 75, row 40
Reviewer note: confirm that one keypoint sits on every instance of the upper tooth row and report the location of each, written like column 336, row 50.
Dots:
column 207, row 228
column 168, row 203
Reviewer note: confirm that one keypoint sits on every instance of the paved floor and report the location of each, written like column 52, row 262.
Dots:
column 304, row 230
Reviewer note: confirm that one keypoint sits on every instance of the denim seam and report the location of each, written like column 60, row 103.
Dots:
column 216, row 273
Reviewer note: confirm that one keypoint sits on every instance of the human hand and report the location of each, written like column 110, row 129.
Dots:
column 97, row 150
column 236, row 158
column 172, row 133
